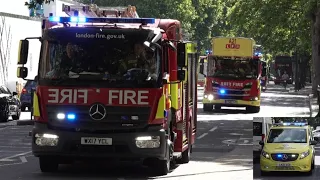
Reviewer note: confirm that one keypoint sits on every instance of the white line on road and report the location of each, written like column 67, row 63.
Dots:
column 202, row 136
column 21, row 154
column 23, row 159
column 213, row 129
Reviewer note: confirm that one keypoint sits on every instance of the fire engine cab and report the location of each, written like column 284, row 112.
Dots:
column 113, row 85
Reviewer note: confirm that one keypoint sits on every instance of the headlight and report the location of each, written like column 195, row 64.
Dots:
column 304, row 154
column 210, row 97
column 265, row 154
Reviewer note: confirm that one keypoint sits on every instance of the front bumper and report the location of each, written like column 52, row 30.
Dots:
column 299, row 165
column 231, row 103
column 123, row 145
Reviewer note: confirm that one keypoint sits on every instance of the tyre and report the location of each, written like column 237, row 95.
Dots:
column 16, row 117
column 253, row 109
column 207, row 107
column 23, row 108
column 4, row 117
column 48, row 164
column 217, row 107
column 262, row 173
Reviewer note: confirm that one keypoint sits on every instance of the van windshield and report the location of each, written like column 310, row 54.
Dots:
column 287, row 135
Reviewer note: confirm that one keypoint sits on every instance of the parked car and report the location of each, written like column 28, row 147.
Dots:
column 25, row 96
column 9, row 104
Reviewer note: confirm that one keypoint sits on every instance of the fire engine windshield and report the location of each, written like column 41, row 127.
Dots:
column 110, row 58
column 227, row 68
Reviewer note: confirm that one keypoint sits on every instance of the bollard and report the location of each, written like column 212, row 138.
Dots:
column 318, row 100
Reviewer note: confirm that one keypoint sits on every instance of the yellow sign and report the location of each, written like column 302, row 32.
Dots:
column 233, row 47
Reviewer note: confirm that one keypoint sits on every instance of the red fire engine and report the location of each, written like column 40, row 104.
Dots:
column 113, row 87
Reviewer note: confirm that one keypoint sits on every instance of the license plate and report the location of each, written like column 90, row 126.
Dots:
column 284, row 168
column 283, row 165
column 96, row 141
column 230, row 101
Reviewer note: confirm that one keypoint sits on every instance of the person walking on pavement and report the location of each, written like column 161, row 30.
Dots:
column 285, row 78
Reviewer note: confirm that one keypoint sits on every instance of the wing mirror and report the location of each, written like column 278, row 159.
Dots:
column 261, row 143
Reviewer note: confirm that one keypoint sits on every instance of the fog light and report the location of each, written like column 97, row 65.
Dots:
column 61, row 116
column 148, row 142
column 46, row 139
column 210, row 97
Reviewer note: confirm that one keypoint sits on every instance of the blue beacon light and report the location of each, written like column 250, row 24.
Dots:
column 222, row 91
column 76, row 19
column 71, row 116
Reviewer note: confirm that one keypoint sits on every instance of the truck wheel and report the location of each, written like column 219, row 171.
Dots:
column 253, row 109
column 217, row 107
column 207, row 107
column 48, row 164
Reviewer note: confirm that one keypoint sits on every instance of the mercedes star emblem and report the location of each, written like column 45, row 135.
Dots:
column 97, row 112
column 285, row 157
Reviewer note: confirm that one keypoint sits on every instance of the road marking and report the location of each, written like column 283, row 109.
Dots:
column 6, row 160
column 236, row 134
column 213, row 129
column 202, row 136
column 23, row 159
column 21, row 154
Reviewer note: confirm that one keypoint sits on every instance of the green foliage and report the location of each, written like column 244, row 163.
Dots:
column 33, row 3
column 280, row 26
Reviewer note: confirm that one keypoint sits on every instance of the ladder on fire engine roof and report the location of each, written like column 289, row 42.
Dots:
column 92, row 11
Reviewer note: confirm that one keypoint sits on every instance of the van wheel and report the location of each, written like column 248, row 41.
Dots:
column 217, row 107
column 262, row 173
column 48, row 164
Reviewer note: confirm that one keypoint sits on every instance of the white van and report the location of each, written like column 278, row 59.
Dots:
column 261, row 127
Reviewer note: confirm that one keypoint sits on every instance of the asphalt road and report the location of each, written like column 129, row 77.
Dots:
column 275, row 102
column 288, row 175
column 222, row 151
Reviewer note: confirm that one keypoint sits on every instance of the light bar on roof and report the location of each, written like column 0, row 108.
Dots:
column 76, row 19
column 292, row 124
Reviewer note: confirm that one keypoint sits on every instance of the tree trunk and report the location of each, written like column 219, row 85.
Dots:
column 316, row 50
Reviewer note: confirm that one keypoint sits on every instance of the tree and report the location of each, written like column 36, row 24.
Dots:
column 33, row 3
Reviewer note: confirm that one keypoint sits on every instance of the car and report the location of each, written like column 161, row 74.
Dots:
column 261, row 126
column 289, row 147
column 10, row 104
column 25, row 96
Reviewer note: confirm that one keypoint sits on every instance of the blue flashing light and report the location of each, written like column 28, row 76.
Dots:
column 222, row 91
column 54, row 19
column 279, row 155
column 102, row 20
column 71, row 116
